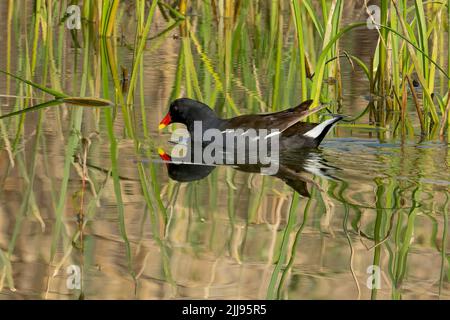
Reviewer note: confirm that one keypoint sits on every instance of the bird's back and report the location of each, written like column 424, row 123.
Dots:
column 280, row 120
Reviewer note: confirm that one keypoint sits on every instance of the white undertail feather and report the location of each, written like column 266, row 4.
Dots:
column 317, row 130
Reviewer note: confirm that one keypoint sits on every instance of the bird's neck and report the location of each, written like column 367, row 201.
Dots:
column 204, row 123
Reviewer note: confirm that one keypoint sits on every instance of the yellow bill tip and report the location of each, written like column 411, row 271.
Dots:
column 161, row 126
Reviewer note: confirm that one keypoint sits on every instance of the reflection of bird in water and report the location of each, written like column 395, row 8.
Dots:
column 293, row 165
column 185, row 172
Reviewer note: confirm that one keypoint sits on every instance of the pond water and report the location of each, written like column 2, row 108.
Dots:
column 377, row 208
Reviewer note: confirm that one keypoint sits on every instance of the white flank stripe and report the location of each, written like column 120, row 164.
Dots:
column 317, row 130
column 272, row 134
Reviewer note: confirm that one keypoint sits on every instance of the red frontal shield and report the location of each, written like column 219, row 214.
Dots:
column 165, row 121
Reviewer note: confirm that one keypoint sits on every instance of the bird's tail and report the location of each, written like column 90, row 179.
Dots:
column 319, row 131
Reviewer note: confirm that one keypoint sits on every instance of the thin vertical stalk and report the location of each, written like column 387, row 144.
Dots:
column 296, row 9
column 278, row 66
column 383, row 49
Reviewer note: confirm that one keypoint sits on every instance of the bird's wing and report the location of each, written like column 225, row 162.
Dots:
column 281, row 120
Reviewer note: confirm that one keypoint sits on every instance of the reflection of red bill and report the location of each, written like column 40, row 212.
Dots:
column 163, row 155
column 165, row 121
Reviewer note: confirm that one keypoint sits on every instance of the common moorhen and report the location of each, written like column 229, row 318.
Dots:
column 294, row 133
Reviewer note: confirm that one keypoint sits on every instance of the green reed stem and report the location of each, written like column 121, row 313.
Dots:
column 114, row 166
column 139, row 52
column 278, row 66
column 296, row 8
